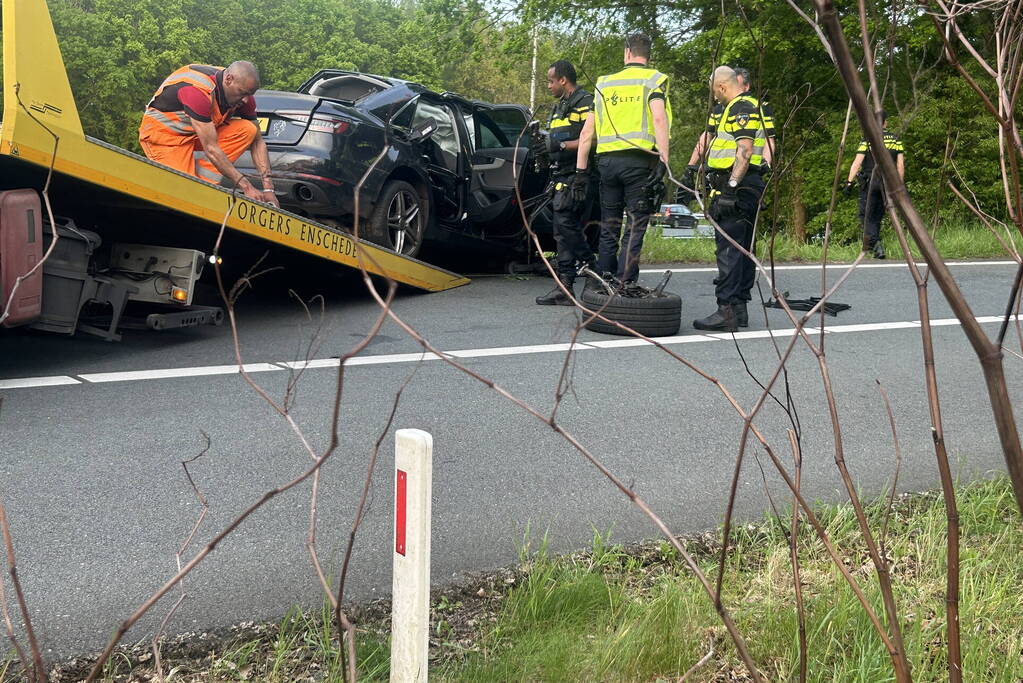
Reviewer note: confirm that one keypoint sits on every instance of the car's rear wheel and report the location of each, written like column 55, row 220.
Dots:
column 399, row 219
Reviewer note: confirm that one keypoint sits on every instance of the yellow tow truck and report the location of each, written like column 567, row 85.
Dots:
column 129, row 229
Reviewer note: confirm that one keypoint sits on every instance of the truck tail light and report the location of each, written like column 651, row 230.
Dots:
column 179, row 294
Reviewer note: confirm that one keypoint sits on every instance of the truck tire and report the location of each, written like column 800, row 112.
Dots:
column 653, row 316
column 399, row 219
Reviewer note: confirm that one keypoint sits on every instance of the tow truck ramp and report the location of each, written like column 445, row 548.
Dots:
column 37, row 97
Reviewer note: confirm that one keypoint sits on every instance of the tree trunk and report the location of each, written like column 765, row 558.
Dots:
column 798, row 213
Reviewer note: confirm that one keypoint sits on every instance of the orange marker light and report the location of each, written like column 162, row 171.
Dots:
column 179, row 294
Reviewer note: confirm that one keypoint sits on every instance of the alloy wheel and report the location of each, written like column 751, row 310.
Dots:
column 404, row 222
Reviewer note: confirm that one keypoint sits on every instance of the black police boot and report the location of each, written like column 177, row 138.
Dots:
column 741, row 314
column 555, row 297
column 717, row 280
column 721, row 320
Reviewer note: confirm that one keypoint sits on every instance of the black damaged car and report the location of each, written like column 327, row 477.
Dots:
column 448, row 168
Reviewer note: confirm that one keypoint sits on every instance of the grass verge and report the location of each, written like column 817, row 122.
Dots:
column 617, row 613
column 612, row 614
column 954, row 241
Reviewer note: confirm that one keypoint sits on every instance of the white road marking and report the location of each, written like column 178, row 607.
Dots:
column 393, row 358
column 32, row 382
column 388, row 359
column 763, row 334
column 361, row 360
column 135, row 375
column 518, row 350
column 312, row 364
column 817, row 266
column 870, row 327
column 624, row 343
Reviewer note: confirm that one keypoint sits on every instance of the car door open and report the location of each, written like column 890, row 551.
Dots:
column 498, row 165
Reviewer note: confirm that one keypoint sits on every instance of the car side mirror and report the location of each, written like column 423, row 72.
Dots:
column 423, row 131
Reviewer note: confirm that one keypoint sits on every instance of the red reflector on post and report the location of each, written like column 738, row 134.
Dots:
column 400, row 500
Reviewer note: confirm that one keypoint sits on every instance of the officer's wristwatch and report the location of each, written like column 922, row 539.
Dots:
column 732, row 182
column 561, row 146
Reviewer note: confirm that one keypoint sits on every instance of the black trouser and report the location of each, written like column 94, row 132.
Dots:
column 871, row 211
column 569, row 228
column 736, row 271
column 623, row 188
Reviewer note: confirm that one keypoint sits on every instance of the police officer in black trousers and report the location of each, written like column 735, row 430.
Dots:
column 872, row 196
column 734, row 161
column 564, row 126
column 629, row 124
column 690, row 176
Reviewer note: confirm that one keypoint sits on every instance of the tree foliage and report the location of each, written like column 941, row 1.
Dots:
column 118, row 51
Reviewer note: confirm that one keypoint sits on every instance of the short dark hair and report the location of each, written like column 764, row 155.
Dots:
column 564, row 69
column 639, row 45
column 742, row 73
column 884, row 116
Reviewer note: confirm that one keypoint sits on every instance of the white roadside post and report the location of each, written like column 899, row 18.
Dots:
column 410, row 606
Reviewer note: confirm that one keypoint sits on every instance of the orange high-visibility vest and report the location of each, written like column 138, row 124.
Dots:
column 174, row 127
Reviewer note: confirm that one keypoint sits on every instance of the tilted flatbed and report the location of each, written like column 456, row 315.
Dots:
column 136, row 199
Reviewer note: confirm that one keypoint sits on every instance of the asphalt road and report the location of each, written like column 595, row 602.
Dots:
column 99, row 504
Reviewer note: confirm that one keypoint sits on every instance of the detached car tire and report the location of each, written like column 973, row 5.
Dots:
column 399, row 219
column 653, row 316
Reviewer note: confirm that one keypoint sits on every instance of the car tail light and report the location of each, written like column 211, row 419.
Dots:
column 329, row 124
column 322, row 123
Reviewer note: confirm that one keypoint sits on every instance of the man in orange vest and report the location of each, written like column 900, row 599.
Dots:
column 201, row 119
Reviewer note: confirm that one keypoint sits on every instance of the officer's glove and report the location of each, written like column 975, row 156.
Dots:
column 657, row 174
column 689, row 177
column 848, row 188
column 538, row 144
column 580, row 185
column 553, row 144
column 725, row 205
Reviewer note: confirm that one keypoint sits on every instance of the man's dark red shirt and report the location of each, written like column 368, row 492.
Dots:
column 198, row 104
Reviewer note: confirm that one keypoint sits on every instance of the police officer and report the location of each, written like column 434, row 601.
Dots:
column 734, row 161
column 872, row 197
column 630, row 122
column 700, row 148
column 564, row 126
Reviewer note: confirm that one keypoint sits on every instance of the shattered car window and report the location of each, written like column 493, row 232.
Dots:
column 443, row 144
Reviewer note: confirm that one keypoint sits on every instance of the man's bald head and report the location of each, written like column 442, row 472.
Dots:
column 725, row 75
column 725, row 84
column 241, row 80
column 244, row 71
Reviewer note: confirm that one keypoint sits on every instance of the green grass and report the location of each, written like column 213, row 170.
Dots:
column 954, row 241
column 613, row 616
column 637, row 614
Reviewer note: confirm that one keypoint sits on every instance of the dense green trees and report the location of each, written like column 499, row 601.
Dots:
column 117, row 51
